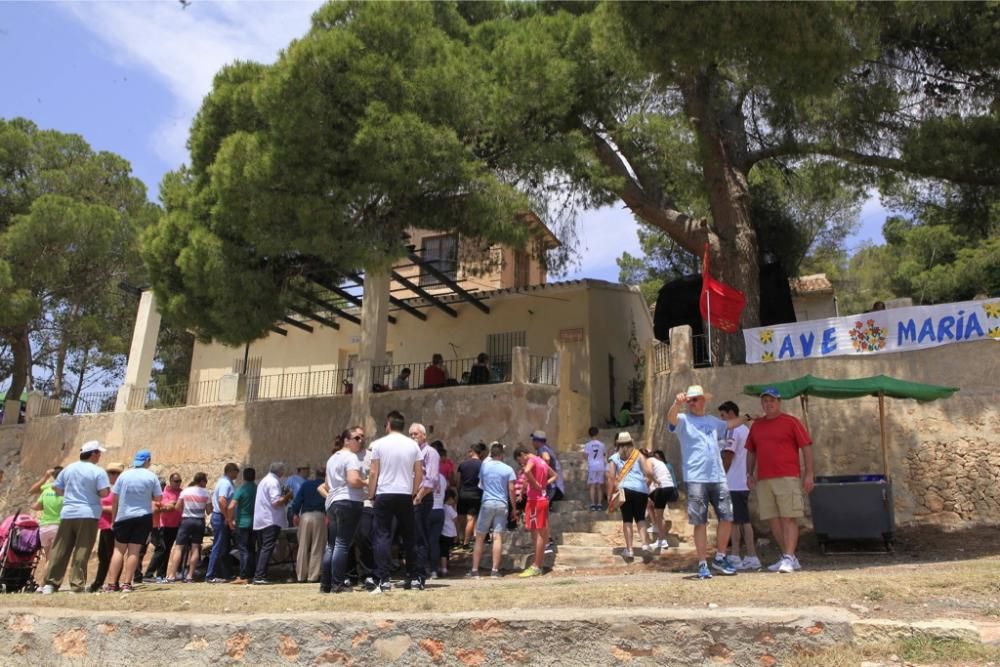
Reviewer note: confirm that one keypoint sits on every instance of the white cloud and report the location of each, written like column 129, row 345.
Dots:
column 604, row 234
column 185, row 47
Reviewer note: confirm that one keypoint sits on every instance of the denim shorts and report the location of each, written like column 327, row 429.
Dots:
column 492, row 516
column 702, row 494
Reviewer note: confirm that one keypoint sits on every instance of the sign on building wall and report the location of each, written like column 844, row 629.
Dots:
column 896, row 330
column 571, row 335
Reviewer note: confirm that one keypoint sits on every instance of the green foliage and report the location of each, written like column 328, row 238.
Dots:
column 69, row 222
column 366, row 126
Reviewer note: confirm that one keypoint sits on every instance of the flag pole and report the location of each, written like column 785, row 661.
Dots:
column 708, row 324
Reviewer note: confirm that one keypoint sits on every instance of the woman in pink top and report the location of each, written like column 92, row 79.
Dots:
column 106, row 538
column 168, row 515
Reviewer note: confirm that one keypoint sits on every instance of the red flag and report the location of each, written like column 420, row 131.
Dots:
column 721, row 305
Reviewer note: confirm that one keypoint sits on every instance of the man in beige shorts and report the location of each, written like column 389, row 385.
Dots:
column 774, row 471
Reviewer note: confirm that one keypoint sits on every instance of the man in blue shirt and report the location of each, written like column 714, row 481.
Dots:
column 496, row 478
column 82, row 485
column 704, row 475
column 308, row 510
column 222, row 514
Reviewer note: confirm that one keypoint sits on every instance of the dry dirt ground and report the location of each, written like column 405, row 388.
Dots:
column 932, row 574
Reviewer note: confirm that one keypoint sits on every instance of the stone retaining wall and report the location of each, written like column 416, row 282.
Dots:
column 943, row 456
column 640, row 636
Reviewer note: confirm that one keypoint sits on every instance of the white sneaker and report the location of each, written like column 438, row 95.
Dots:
column 47, row 589
column 787, row 566
column 652, row 546
column 627, row 553
column 795, row 563
column 664, row 544
column 773, row 567
column 751, row 563
column 736, row 562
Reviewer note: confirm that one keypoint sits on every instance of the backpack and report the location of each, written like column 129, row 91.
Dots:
column 26, row 541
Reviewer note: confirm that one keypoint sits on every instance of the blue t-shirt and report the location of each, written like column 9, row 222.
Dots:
column 494, row 477
column 223, row 489
column 699, row 438
column 80, row 483
column 136, row 489
column 635, row 479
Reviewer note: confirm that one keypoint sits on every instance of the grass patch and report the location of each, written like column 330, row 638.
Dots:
column 923, row 650
column 915, row 650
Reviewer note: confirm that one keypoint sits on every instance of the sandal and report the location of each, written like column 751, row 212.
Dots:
column 126, row 588
column 189, row 581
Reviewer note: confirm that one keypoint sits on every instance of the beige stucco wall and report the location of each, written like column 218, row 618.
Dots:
column 297, row 431
column 944, row 456
column 814, row 306
column 604, row 313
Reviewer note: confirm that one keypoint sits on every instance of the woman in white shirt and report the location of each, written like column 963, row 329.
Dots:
column 194, row 502
column 663, row 490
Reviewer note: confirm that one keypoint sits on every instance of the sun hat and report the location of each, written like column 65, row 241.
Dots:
column 771, row 391
column 538, row 435
column 117, row 466
column 624, row 438
column 92, row 446
column 696, row 391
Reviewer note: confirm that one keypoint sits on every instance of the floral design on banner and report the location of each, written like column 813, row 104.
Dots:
column 867, row 336
column 994, row 333
column 992, row 310
column 766, row 336
column 767, row 356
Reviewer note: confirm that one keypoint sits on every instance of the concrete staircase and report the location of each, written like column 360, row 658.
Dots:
column 591, row 540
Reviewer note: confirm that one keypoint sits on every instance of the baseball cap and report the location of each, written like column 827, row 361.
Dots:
column 771, row 391
column 623, row 438
column 141, row 457
column 92, row 446
column 538, row 435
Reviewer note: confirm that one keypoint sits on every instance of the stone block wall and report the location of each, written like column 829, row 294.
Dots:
column 944, row 456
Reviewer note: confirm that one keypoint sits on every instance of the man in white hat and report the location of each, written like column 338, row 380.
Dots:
column 704, row 475
column 82, row 485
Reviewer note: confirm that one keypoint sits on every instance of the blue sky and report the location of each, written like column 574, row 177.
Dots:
column 129, row 77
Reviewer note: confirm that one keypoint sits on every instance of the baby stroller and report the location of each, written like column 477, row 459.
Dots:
column 19, row 548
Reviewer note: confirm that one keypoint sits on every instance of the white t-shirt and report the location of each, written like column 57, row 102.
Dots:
column 597, row 455
column 264, row 512
column 439, row 491
column 195, row 498
column 448, row 528
column 661, row 473
column 736, row 442
column 337, row 468
column 396, row 455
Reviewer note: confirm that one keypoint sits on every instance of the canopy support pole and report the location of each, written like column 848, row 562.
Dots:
column 804, row 402
column 882, row 435
column 708, row 324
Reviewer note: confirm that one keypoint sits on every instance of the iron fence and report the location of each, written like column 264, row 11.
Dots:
column 700, row 351
column 299, row 385
column 543, row 370
column 456, row 372
column 661, row 358
column 89, row 402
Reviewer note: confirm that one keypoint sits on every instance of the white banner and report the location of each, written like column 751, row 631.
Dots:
column 895, row 330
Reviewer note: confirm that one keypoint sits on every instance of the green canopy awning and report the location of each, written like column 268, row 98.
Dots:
column 810, row 385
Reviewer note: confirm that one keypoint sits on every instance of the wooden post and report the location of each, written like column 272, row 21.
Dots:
column 882, row 435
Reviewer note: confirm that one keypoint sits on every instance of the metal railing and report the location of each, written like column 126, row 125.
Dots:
column 543, row 370
column 178, row 395
column 457, row 372
column 90, row 402
column 299, row 385
column 661, row 358
column 699, row 349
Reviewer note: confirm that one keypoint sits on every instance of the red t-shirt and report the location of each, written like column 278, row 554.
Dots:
column 171, row 518
column 434, row 376
column 776, row 442
column 540, row 471
column 447, row 468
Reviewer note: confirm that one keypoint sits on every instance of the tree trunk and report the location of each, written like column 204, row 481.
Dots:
column 60, row 370
column 79, row 382
column 732, row 238
column 20, row 347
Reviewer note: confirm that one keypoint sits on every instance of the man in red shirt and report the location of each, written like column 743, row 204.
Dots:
column 773, row 468
column 435, row 375
column 538, row 475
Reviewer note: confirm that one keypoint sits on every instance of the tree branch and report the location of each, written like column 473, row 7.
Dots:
column 686, row 231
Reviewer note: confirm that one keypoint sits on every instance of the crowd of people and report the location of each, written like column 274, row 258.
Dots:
column 401, row 502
